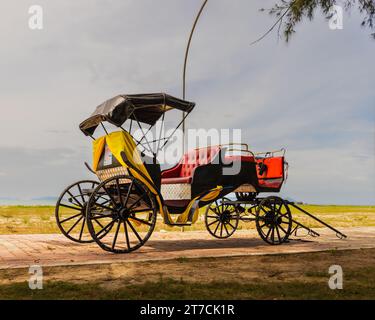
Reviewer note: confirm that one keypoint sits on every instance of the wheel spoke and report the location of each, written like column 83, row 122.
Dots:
column 217, row 227
column 70, row 207
column 110, row 196
column 212, row 217
column 135, row 203
column 262, row 226
column 135, row 231
column 261, row 207
column 104, row 207
column 284, row 214
column 75, row 224
column 268, row 233
column 273, row 234
column 221, row 230
column 142, row 210
column 141, row 220
column 109, row 225
column 211, row 223
column 280, row 207
column 116, row 234
column 80, row 192
column 119, row 191
column 128, row 194
column 278, row 233
column 213, row 211
column 126, row 235
column 226, row 229
column 75, row 199
column 217, row 206
column 286, row 233
column 98, row 222
column 83, row 226
column 70, row 218
column 231, row 225
column 101, row 216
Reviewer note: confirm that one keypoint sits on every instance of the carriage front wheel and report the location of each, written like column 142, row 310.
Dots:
column 273, row 220
column 126, row 207
column 221, row 219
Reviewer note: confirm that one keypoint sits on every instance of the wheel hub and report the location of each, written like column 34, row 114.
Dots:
column 272, row 219
column 123, row 213
column 225, row 217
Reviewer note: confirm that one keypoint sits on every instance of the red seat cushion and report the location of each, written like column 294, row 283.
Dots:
column 183, row 172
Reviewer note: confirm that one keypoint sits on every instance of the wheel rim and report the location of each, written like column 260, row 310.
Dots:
column 70, row 211
column 273, row 220
column 221, row 219
column 127, row 211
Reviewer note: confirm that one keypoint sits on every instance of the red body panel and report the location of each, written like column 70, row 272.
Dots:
column 273, row 176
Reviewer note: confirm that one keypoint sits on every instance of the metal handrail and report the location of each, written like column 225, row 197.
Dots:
column 241, row 150
column 271, row 153
column 235, row 144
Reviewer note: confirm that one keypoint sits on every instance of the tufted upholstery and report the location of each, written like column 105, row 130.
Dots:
column 184, row 171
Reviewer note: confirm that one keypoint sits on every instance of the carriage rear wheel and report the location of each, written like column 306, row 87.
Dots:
column 70, row 211
column 124, row 205
column 273, row 220
column 221, row 219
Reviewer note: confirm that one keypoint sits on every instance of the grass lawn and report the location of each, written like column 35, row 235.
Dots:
column 41, row 219
column 297, row 276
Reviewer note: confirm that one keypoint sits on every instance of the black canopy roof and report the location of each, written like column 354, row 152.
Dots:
column 145, row 108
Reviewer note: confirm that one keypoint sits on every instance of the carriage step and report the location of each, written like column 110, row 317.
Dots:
column 171, row 224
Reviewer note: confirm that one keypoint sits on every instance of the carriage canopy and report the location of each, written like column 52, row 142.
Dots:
column 144, row 108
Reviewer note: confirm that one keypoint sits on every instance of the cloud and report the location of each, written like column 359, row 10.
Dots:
column 313, row 96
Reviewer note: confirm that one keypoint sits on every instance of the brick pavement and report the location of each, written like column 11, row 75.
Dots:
column 53, row 250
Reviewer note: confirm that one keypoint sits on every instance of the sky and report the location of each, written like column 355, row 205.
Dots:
column 313, row 96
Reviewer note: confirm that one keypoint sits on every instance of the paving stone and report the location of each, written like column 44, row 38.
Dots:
column 54, row 249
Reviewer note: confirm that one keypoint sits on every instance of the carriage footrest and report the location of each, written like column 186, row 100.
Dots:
column 179, row 224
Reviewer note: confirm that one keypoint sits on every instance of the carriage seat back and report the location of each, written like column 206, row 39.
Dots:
column 183, row 172
column 243, row 158
column 270, row 171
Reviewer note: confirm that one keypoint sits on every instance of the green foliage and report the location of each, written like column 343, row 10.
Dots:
column 290, row 13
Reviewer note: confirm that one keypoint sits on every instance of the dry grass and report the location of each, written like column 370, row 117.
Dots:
column 41, row 219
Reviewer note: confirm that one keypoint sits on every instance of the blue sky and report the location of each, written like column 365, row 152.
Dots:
column 314, row 96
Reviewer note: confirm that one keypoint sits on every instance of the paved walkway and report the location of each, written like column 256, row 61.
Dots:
column 53, row 250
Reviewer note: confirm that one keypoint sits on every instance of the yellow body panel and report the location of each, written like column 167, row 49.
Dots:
column 122, row 141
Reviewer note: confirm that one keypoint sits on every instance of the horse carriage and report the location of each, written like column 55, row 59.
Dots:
column 119, row 210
